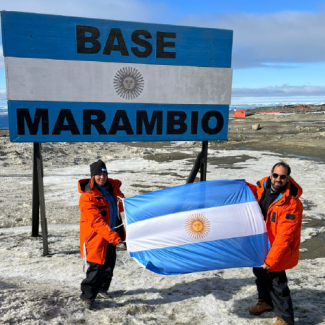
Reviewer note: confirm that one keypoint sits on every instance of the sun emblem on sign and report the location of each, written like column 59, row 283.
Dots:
column 128, row 83
column 197, row 226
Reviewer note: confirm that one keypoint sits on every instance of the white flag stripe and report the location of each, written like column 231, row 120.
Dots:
column 91, row 81
column 225, row 222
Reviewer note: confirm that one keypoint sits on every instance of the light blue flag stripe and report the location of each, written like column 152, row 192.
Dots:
column 54, row 37
column 187, row 197
column 247, row 251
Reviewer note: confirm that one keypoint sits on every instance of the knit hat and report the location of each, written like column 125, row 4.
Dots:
column 97, row 167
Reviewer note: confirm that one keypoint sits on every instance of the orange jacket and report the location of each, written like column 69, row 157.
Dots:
column 95, row 232
column 283, row 224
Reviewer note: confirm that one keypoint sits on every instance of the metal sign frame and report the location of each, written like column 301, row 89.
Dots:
column 85, row 80
column 38, row 197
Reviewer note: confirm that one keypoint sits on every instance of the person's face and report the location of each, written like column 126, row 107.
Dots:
column 281, row 179
column 101, row 178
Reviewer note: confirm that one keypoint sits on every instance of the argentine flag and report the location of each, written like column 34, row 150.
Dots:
column 196, row 227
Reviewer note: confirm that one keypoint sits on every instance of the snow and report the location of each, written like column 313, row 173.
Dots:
column 45, row 290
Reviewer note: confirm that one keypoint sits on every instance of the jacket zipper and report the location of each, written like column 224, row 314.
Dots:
column 87, row 239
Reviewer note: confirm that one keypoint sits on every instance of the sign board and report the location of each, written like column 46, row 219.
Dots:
column 79, row 79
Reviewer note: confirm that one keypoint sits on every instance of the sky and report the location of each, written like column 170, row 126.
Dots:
column 278, row 46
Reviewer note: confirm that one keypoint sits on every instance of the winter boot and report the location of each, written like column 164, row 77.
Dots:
column 87, row 304
column 260, row 308
column 280, row 321
column 104, row 295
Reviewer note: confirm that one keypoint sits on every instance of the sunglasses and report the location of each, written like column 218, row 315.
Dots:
column 282, row 177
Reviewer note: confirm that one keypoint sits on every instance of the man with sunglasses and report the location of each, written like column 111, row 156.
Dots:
column 278, row 197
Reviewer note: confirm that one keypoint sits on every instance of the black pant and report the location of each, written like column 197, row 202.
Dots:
column 99, row 277
column 273, row 288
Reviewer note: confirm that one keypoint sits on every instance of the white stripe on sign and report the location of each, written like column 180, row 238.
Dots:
column 203, row 225
column 104, row 82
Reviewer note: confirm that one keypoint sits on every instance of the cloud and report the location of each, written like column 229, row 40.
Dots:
column 260, row 40
column 2, row 63
column 3, row 100
column 266, row 40
column 135, row 10
column 283, row 91
column 3, row 93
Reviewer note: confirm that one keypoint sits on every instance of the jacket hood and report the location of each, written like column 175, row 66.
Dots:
column 84, row 185
column 292, row 189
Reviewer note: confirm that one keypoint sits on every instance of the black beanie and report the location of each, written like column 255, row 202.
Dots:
column 97, row 167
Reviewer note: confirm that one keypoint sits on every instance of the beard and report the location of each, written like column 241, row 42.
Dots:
column 277, row 186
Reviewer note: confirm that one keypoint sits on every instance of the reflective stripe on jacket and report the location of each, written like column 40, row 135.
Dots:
column 95, row 232
column 283, row 224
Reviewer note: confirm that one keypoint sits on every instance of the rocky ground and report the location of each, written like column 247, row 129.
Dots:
column 44, row 290
column 295, row 131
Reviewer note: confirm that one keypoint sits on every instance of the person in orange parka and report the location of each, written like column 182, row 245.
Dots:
column 100, row 231
column 278, row 197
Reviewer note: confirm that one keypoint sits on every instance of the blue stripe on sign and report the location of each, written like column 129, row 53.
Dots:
column 201, row 195
column 72, row 122
column 223, row 254
column 54, row 37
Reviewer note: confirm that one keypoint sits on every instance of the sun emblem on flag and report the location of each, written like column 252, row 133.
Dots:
column 128, row 83
column 197, row 226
